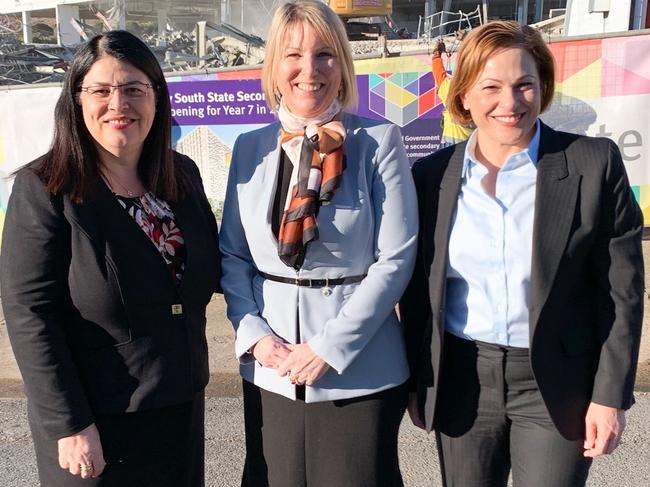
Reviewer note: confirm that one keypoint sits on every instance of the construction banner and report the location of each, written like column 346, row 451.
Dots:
column 603, row 89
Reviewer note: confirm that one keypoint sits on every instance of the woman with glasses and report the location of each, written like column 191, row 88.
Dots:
column 109, row 258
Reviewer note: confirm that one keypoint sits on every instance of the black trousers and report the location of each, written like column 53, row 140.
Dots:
column 491, row 418
column 156, row 448
column 344, row 443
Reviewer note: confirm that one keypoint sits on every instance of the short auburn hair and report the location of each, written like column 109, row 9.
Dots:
column 485, row 41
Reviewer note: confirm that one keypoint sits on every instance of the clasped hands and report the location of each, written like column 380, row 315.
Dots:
column 297, row 362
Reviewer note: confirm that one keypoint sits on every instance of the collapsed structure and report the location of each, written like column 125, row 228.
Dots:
column 190, row 35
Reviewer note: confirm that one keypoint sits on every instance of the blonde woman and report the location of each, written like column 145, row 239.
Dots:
column 318, row 242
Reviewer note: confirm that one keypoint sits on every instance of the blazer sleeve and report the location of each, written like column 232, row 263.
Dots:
column 33, row 274
column 617, row 260
column 238, row 271
column 396, row 226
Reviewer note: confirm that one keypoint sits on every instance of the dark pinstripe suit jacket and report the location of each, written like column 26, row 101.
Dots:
column 587, row 277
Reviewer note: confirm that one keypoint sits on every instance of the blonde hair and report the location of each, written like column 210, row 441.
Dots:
column 480, row 44
column 330, row 29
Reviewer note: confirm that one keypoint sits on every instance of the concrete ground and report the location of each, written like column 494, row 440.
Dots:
column 628, row 467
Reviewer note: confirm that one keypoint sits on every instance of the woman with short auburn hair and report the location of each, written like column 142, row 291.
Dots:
column 318, row 239
column 472, row 56
column 523, row 316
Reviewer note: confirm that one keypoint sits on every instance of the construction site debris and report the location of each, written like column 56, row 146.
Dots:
column 28, row 64
column 212, row 45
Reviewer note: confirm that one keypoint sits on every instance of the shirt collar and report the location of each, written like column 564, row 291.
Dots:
column 529, row 154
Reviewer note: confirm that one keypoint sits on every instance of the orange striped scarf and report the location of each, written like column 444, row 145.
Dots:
column 320, row 168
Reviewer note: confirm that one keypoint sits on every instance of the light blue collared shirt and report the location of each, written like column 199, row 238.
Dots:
column 490, row 251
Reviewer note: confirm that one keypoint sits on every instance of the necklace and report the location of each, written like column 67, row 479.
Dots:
column 111, row 184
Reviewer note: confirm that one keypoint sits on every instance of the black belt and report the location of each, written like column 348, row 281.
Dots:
column 302, row 282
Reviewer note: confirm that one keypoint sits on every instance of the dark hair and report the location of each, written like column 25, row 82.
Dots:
column 71, row 164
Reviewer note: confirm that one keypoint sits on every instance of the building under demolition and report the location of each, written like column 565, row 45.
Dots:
column 38, row 37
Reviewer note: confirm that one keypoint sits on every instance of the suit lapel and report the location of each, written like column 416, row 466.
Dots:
column 89, row 215
column 187, row 219
column 271, row 164
column 440, row 213
column 113, row 231
column 441, row 197
column 555, row 201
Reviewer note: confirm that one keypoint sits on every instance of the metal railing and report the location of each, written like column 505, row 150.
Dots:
column 444, row 22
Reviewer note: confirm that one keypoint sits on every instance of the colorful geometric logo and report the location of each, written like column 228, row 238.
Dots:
column 401, row 97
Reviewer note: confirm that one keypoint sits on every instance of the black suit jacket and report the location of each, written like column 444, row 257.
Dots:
column 88, row 303
column 586, row 278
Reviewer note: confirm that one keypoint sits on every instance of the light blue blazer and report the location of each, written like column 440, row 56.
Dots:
column 370, row 227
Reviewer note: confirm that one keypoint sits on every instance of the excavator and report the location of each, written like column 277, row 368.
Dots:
column 361, row 8
column 349, row 10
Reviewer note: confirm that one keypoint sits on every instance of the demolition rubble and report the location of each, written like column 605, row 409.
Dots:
column 38, row 49
column 208, row 47
column 224, row 46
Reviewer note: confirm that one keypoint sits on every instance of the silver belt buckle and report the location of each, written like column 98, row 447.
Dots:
column 327, row 290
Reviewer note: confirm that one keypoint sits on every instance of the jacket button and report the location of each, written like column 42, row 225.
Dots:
column 177, row 309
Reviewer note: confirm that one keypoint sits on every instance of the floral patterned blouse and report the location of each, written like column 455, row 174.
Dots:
column 156, row 219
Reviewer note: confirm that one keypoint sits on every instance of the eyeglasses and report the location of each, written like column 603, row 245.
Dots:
column 130, row 91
